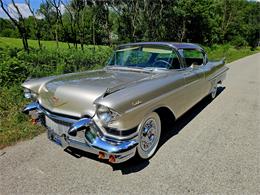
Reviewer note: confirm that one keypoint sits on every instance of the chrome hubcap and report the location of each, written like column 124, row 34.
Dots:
column 148, row 135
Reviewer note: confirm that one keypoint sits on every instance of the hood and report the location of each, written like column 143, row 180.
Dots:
column 74, row 94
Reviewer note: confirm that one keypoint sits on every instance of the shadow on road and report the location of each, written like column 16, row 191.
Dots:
column 133, row 165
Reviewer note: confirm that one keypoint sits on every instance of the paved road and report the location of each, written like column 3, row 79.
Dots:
column 214, row 148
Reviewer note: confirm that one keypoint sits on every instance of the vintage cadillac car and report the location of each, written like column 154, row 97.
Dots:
column 117, row 112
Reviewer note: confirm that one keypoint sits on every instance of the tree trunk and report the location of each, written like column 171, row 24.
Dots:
column 56, row 36
column 93, row 32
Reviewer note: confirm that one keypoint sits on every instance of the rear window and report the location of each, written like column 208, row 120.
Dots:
column 192, row 56
column 188, row 53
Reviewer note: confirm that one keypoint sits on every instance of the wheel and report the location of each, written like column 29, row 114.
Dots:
column 149, row 136
column 214, row 91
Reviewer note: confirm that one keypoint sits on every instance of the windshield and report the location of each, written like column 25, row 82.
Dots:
column 144, row 56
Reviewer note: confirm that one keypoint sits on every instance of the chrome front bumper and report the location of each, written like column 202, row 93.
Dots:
column 85, row 135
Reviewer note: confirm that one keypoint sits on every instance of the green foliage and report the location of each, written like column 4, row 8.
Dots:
column 14, row 125
column 228, row 52
column 238, row 42
column 17, row 65
column 13, row 71
column 107, row 22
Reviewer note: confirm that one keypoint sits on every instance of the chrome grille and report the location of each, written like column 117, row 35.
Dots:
column 59, row 127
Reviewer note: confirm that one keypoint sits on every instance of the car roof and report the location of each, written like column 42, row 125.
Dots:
column 174, row 45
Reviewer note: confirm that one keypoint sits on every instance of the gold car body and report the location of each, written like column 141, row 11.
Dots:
column 131, row 93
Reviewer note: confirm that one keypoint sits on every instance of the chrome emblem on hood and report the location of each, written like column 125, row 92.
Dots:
column 55, row 101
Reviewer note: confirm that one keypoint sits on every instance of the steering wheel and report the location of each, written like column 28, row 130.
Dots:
column 161, row 62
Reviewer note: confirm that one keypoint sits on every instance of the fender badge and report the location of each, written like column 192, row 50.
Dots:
column 136, row 103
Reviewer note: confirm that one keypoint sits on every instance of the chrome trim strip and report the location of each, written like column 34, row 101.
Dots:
column 111, row 136
column 220, row 73
column 30, row 107
column 40, row 109
column 56, row 117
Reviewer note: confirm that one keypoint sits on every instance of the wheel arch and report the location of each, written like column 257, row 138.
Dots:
column 166, row 115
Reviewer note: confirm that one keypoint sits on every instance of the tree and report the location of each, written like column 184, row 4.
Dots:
column 49, row 17
column 19, row 23
column 56, row 5
column 36, row 23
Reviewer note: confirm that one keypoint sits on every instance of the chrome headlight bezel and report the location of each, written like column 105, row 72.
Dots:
column 106, row 115
column 29, row 94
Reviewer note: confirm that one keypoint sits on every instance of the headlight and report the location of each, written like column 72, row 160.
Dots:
column 29, row 94
column 105, row 114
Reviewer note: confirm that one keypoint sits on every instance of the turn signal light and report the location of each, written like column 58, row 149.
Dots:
column 112, row 159
column 34, row 121
column 101, row 155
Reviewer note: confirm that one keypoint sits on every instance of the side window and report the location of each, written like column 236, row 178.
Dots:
column 193, row 57
column 172, row 58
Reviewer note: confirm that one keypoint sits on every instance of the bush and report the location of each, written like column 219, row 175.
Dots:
column 238, row 42
column 12, row 71
column 16, row 65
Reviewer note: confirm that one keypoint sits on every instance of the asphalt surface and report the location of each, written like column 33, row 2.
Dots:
column 213, row 148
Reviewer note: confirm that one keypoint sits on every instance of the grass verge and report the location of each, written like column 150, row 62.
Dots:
column 229, row 52
column 14, row 125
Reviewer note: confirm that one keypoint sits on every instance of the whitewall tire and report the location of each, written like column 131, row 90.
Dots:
column 149, row 136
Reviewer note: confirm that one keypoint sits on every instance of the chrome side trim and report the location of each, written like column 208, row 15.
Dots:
column 220, row 73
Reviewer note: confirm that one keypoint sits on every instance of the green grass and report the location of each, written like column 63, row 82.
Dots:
column 16, row 65
column 6, row 42
column 229, row 52
column 13, row 42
